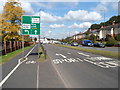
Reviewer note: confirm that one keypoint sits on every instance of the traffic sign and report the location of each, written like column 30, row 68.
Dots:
column 30, row 25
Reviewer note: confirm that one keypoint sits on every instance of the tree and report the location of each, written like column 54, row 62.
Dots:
column 11, row 20
column 118, row 37
column 95, row 26
column 93, row 38
column 111, row 42
column 87, row 35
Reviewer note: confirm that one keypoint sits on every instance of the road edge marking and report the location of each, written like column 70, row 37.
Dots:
column 59, row 74
column 13, row 70
column 38, row 75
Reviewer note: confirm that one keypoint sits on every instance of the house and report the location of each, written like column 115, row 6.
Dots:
column 78, row 36
column 111, row 30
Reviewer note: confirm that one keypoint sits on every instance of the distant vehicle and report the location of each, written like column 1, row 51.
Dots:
column 87, row 43
column 99, row 45
column 63, row 43
column 57, row 42
column 74, row 44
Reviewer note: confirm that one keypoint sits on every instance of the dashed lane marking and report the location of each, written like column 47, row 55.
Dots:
column 61, row 55
column 83, row 54
column 68, row 53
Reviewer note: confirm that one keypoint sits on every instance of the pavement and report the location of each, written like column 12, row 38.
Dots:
column 64, row 68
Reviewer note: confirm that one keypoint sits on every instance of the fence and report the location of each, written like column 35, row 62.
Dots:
column 10, row 46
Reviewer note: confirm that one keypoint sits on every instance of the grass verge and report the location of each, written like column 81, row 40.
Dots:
column 100, row 52
column 5, row 58
column 42, row 56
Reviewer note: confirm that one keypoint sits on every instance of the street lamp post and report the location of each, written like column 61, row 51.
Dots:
column 104, row 19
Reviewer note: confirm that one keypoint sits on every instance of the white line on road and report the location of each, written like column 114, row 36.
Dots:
column 80, row 59
column 38, row 76
column 66, row 84
column 19, row 63
column 3, row 81
column 69, row 53
column 61, row 55
column 83, row 54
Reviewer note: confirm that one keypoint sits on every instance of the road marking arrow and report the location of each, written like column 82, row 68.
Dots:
column 61, row 55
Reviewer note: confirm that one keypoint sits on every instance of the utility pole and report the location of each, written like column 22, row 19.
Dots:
column 104, row 19
column 39, row 35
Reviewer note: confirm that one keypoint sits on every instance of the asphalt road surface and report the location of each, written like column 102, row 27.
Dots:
column 83, row 70
column 33, row 74
column 65, row 68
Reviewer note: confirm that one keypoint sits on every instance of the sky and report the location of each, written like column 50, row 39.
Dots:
column 62, row 19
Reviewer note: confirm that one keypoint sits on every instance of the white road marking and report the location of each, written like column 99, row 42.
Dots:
column 80, row 59
column 66, row 84
column 88, row 61
column 116, row 63
column 69, row 53
column 5, row 79
column 38, row 76
column 102, row 65
column 30, row 62
column 61, row 55
column 69, row 60
column 99, row 58
column 19, row 63
column 83, row 54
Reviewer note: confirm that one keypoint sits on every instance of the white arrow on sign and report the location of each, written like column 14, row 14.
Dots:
column 27, row 31
column 61, row 55
column 35, row 31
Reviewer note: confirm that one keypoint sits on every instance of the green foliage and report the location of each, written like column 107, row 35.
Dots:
column 11, row 20
column 95, row 26
column 111, row 42
column 93, row 38
column 115, row 19
column 118, row 37
column 8, row 56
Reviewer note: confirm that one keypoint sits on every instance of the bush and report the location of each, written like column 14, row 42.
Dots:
column 118, row 37
column 111, row 42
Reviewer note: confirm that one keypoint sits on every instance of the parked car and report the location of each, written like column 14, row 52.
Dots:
column 74, row 44
column 63, row 43
column 99, row 45
column 87, row 43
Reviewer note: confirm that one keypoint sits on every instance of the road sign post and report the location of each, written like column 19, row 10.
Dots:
column 31, row 26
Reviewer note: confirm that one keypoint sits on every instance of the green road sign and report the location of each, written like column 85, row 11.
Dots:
column 30, row 25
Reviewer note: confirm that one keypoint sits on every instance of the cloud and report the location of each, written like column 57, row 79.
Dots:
column 82, row 25
column 82, row 15
column 106, row 6
column 49, row 31
column 46, row 17
column 57, row 25
column 115, row 6
column 79, row 15
column 27, row 8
